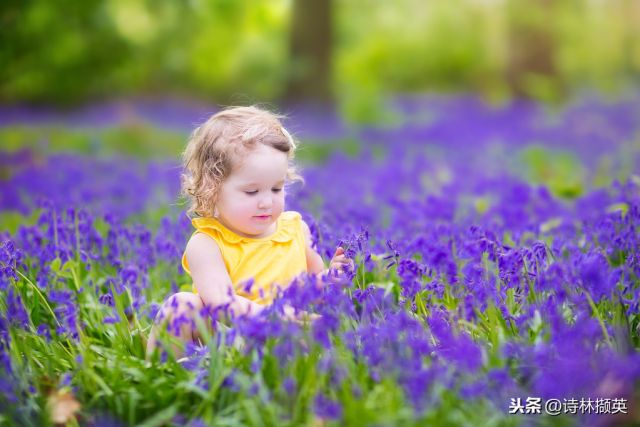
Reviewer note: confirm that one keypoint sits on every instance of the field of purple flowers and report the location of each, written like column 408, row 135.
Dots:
column 496, row 274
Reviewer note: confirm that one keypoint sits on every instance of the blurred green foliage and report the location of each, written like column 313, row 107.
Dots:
column 228, row 51
column 140, row 140
column 560, row 171
column 70, row 51
column 136, row 140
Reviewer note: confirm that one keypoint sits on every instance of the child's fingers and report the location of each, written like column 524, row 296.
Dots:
column 336, row 264
column 343, row 261
column 312, row 317
column 340, row 263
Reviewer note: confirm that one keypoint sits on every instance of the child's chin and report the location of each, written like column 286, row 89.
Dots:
column 263, row 221
column 261, row 227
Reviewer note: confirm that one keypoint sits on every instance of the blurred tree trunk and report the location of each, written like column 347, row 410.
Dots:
column 531, row 64
column 632, row 40
column 310, row 42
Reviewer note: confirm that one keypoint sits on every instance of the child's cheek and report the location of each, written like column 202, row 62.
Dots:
column 280, row 204
column 248, row 211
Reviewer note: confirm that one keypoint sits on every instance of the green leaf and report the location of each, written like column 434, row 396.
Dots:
column 161, row 418
column 618, row 207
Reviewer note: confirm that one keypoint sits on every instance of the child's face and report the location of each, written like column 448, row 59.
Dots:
column 252, row 197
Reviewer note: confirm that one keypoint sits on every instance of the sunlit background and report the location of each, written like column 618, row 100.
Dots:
column 355, row 53
column 117, row 63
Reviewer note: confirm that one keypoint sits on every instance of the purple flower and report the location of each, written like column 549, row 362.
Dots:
column 595, row 276
column 325, row 407
column 16, row 312
column 289, row 385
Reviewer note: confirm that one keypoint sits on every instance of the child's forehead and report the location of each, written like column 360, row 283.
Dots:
column 260, row 166
column 260, row 157
column 257, row 178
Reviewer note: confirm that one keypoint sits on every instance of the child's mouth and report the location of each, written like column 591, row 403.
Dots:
column 262, row 217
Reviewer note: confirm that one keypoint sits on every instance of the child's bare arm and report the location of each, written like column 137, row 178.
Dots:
column 211, row 279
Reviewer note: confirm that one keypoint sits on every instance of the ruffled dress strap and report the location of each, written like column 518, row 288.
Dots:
column 286, row 229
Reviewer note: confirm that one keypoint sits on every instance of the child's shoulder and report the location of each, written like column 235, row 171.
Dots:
column 200, row 244
column 291, row 216
column 293, row 223
column 200, row 238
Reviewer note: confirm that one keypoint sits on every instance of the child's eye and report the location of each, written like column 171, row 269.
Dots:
column 277, row 190
column 251, row 193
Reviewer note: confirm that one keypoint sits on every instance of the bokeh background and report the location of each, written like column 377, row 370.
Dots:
column 354, row 53
column 134, row 77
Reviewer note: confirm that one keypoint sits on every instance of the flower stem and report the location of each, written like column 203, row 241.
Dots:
column 35, row 288
column 599, row 317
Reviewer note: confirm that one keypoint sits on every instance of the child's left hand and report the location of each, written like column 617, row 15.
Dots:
column 298, row 316
column 340, row 261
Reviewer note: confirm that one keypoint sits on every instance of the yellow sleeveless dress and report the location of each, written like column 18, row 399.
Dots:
column 271, row 261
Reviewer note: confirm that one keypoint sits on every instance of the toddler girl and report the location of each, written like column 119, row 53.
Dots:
column 237, row 165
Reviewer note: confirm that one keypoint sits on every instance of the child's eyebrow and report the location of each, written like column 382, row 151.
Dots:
column 248, row 184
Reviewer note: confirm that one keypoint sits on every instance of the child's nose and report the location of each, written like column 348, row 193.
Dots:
column 264, row 202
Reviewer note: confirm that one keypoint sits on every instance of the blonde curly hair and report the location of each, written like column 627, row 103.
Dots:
column 218, row 145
